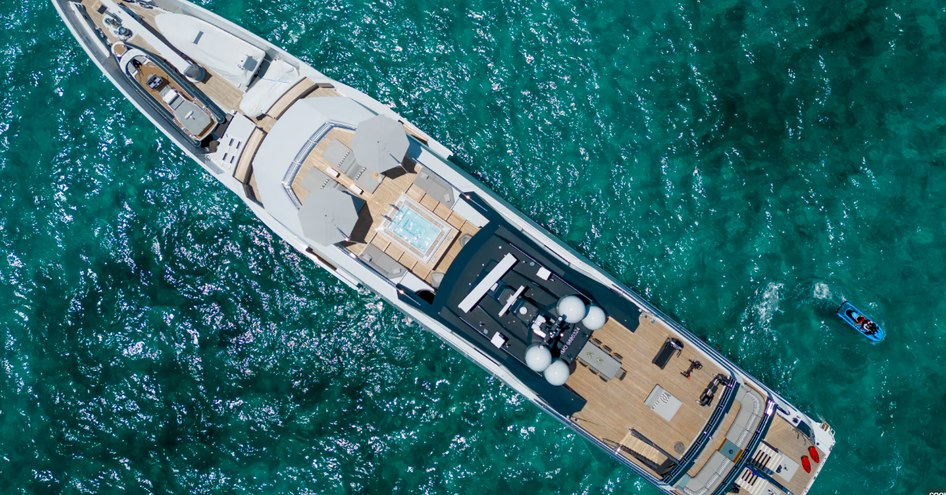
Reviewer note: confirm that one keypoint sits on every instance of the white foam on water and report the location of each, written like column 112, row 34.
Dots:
column 821, row 291
column 768, row 305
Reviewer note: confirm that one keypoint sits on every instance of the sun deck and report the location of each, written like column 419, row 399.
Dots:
column 393, row 188
column 651, row 395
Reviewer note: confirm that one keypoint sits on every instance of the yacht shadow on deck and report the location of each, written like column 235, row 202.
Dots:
column 362, row 230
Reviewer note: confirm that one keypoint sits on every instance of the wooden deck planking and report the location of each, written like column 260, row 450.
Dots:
column 793, row 445
column 429, row 202
column 617, row 405
column 454, row 249
column 380, row 203
column 442, row 211
column 221, row 92
column 456, row 220
column 415, row 193
column 322, row 92
column 149, row 69
column 244, row 168
column 716, row 442
column 315, row 162
column 92, row 7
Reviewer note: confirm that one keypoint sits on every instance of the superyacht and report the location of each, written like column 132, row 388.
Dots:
column 361, row 192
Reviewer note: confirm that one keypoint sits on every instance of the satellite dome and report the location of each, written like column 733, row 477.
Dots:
column 572, row 308
column 557, row 373
column 538, row 358
column 595, row 318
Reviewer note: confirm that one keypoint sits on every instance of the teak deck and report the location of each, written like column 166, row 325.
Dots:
column 221, row 92
column 617, row 405
column 380, row 202
column 792, row 445
column 148, row 69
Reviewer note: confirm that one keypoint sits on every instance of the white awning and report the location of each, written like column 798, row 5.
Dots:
column 380, row 144
column 279, row 78
column 329, row 216
column 230, row 57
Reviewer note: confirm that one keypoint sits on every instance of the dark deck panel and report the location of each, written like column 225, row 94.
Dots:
column 481, row 254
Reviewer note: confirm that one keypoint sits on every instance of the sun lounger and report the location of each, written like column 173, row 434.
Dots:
column 380, row 261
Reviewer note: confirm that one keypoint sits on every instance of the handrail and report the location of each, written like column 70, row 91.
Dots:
column 688, row 459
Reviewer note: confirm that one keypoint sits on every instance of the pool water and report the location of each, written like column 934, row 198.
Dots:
column 419, row 233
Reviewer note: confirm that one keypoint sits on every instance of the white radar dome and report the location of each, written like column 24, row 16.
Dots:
column 572, row 308
column 595, row 318
column 557, row 373
column 538, row 358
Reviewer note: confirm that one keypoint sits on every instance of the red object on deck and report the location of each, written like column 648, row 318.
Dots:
column 813, row 452
column 805, row 463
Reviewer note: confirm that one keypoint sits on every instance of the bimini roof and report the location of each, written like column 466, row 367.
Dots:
column 290, row 141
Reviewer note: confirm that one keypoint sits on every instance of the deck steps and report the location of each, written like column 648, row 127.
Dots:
column 755, row 485
column 642, row 448
column 767, row 458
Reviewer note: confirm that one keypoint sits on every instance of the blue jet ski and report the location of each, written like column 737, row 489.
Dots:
column 857, row 320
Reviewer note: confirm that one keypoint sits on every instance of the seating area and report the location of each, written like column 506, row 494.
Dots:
column 660, row 403
column 317, row 180
column 601, row 360
column 435, row 187
column 341, row 160
column 382, row 262
column 408, row 226
column 380, row 205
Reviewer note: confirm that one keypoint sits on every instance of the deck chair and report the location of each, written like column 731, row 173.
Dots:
column 316, row 180
column 382, row 262
column 340, row 157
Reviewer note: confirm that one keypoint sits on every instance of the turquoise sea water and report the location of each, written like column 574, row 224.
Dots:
column 745, row 165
